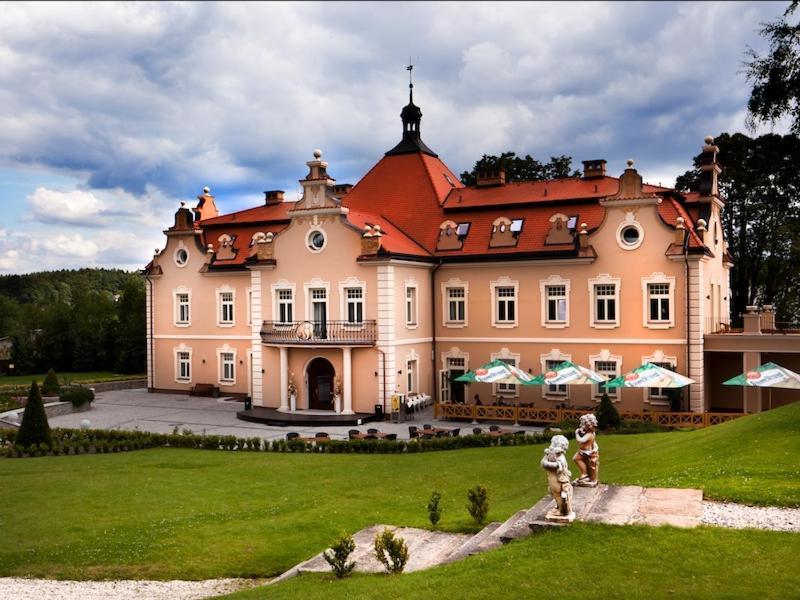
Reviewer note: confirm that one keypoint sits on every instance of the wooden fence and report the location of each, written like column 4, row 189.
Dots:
column 528, row 414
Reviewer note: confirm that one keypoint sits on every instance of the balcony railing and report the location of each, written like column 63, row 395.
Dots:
column 316, row 333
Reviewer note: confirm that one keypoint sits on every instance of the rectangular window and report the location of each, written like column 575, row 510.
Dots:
column 411, row 376
column 607, row 368
column 411, row 306
column 556, row 303
column 506, row 304
column 355, row 305
column 228, row 366
column 660, row 393
column 605, row 303
column 183, row 309
column 658, row 297
column 507, row 388
column 555, row 390
column 285, row 305
column 226, row 307
column 456, row 305
column 184, row 366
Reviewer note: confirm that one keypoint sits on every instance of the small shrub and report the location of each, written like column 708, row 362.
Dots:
column 78, row 396
column 607, row 415
column 391, row 551
column 50, row 385
column 340, row 552
column 34, row 428
column 434, row 508
column 478, row 506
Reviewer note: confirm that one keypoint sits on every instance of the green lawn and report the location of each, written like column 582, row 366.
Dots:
column 90, row 377
column 587, row 561
column 170, row 513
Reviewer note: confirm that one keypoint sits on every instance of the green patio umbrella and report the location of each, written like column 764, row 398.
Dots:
column 768, row 375
column 650, row 376
column 496, row 371
column 568, row 373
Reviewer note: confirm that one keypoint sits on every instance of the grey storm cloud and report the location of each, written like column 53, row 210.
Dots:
column 236, row 95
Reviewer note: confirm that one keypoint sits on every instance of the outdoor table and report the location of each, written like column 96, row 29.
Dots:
column 314, row 439
column 366, row 436
column 433, row 431
column 500, row 432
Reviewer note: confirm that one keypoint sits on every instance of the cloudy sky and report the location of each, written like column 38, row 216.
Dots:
column 111, row 114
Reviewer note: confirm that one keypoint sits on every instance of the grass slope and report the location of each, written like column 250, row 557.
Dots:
column 7, row 381
column 586, row 561
column 194, row 514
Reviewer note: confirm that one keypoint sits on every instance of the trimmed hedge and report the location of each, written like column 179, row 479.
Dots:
column 99, row 441
column 77, row 395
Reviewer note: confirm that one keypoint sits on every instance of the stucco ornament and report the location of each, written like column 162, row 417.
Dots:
column 588, row 455
column 555, row 465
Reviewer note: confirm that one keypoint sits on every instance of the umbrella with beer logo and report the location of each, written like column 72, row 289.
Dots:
column 650, row 376
column 768, row 375
column 496, row 371
column 568, row 373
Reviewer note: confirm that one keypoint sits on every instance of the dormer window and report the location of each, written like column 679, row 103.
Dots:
column 560, row 232
column 462, row 230
column 505, row 232
column 452, row 235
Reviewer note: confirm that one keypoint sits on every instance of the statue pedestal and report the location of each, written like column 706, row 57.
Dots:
column 557, row 517
column 293, row 403
column 584, row 483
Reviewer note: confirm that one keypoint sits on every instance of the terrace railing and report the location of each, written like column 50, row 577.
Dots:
column 319, row 333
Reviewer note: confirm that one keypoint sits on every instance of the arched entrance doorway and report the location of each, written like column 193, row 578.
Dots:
column 320, row 384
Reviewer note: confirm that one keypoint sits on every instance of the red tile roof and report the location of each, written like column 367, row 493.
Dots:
column 393, row 240
column 259, row 214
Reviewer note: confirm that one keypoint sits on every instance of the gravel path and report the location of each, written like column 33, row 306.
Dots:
column 36, row 589
column 741, row 516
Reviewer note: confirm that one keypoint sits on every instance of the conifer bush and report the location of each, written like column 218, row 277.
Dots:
column 50, row 385
column 337, row 557
column 607, row 415
column 478, row 506
column 77, row 395
column 34, row 429
column 435, row 508
column 391, row 551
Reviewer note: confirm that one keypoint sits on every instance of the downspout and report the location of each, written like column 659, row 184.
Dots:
column 434, row 378
column 152, row 349
column 688, row 299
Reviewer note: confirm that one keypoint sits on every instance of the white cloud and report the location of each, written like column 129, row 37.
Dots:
column 75, row 207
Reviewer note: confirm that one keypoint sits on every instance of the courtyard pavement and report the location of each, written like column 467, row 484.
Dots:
column 162, row 413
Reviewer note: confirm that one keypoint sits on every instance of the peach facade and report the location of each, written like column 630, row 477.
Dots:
column 410, row 279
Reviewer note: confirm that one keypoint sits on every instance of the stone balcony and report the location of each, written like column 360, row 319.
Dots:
column 319, row 333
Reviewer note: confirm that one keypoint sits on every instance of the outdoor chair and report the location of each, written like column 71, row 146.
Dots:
column 494, row 428
column 412, row 432
column 477, row 431
column 372, row 430
column 321, row 434
column 442, row 433
column 352, row 433
column 391, row 436
column 455, row 432
column 427, row 426
column 292, row 435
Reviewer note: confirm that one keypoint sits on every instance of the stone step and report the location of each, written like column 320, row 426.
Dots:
column 480, row 542
column 514, row 527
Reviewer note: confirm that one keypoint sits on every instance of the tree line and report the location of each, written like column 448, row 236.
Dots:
column 80, row 320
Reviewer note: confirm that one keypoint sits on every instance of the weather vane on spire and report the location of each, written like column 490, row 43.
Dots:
column 409, row 68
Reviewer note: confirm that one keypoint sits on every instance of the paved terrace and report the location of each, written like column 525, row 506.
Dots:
column 161, row 413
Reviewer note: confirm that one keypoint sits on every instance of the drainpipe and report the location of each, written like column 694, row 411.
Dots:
column 688, row 297
column 435, row 398
column 152, row 349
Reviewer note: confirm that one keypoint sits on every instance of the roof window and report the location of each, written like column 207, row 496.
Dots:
column 505, row 232
column 452, row 235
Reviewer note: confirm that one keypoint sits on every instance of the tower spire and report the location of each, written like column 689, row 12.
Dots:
column 411, row 115
column 409, row 68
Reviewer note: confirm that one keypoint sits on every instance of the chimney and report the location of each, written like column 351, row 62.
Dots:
column 709, row 169
column 273, row 197
column 491, row 177
column 593, row 169
column 767, row 317
column 752, row 320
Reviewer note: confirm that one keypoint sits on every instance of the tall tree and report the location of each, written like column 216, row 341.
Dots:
column 760, row 183
column 776, row 76
column 131, row 327
column 520, row 168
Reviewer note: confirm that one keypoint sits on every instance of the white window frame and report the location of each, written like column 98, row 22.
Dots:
column 351, row 283
column 226, row 349
column 604, row 279
column 176, row 307
column 630, row 221
column 316, row 283
column 178, row 248
column 657, row 279
column 658, row 358
column 444, row 373
column 504, row 282
column 412, row 372
column 506, row 390
column 454, row 283
column 554, row 356
column 176, row 352
column 413, row 310
column 226, row 289
column 275, row 288
column 544, row 285
column 606, row 356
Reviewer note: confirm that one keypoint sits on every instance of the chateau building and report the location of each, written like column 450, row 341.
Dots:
column 409, row 278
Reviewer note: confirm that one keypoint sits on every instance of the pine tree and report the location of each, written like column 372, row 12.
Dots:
column 34, row 428
column 607, row 415
column 50, row 385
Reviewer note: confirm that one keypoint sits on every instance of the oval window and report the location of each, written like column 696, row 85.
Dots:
column 630, row 236
column 316, row 241
column 181, row 257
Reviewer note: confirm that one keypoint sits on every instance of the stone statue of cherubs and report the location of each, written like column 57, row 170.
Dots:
column 558, row 479
column 588, row 455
